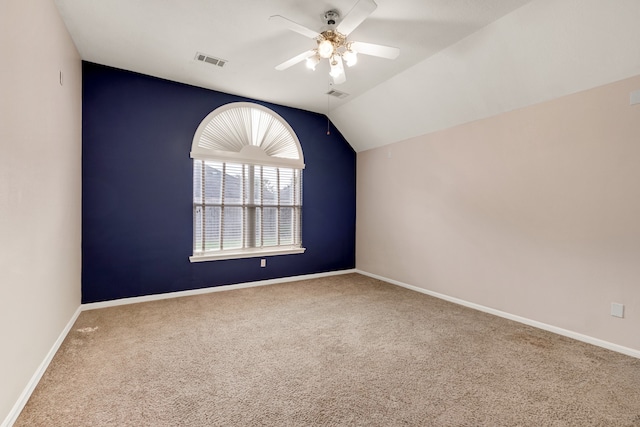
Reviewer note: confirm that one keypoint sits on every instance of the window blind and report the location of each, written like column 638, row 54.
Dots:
column 245, row 207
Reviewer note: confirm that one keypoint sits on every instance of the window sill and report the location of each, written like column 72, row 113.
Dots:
column 245, row 254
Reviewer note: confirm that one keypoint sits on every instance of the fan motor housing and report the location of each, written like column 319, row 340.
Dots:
column 331, row 17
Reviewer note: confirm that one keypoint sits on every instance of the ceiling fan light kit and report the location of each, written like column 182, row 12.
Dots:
column 350, row 57
column 332, row 43
column 337, row 69
column 325, row 49
column 312, row 61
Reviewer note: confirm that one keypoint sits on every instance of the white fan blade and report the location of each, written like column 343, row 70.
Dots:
column 294, row 26
column 356, row 15
column 375, row 50
column 340, row 79
column 295, row 60
column 337, row 72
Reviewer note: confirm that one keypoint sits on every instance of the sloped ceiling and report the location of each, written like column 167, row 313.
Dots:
column 460, row 60
column 543, row 50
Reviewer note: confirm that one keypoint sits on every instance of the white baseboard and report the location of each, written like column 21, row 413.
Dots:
column 24, row 397
column 134, row 300
column 564, row 332
column 33, row 382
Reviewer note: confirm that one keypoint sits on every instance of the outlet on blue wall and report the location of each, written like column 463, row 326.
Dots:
column 137, row 190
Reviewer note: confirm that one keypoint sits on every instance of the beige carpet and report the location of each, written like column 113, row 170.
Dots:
column 344, row 350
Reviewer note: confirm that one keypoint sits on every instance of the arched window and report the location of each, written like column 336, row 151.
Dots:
column 247, row 184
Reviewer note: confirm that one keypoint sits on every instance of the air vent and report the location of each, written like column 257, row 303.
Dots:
column 210, row 59
column 337, row 94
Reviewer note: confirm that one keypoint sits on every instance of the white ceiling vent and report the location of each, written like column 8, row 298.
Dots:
column 210, row 59
column 337, row 93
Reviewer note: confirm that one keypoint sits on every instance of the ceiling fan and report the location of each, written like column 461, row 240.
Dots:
column 332, row 43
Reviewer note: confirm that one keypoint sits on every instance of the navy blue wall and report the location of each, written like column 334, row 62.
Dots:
column 137, row 186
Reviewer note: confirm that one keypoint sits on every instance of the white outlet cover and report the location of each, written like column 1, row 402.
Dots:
column 634, row 97
column 617, row 310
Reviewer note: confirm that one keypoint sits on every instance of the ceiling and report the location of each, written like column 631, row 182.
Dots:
column 161, row 38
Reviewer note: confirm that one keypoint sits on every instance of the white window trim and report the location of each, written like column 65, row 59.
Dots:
column 246, row 253
column 252, row 155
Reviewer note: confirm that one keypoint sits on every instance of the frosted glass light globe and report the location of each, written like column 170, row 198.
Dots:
column 312, row 61
column 350, row 57
column 325, row 49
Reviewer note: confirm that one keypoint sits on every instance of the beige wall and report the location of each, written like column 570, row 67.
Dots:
column 40, row 178
column 535, row 212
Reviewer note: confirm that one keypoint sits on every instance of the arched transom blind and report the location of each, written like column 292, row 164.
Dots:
column 249, row 133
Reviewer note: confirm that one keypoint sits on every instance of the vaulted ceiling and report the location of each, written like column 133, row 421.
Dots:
column 460, row 60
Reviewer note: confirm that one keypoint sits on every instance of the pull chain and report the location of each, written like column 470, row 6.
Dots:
column 328, row 99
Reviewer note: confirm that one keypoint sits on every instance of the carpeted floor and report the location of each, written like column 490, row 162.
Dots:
column 342, row 350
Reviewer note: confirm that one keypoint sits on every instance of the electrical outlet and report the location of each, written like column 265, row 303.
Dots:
column 617, row 310
column 263, row 262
